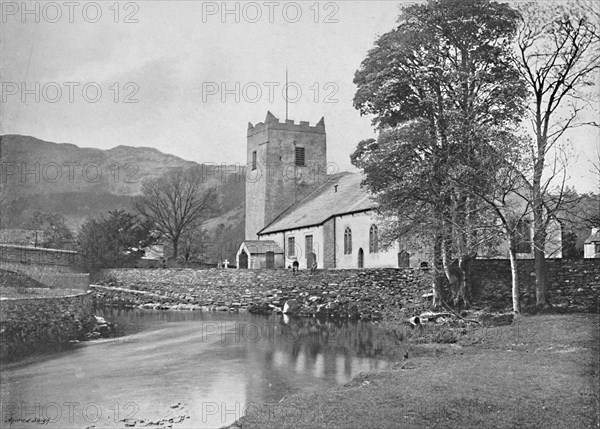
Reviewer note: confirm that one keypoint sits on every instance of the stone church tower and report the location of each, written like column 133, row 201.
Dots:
column 285, row 162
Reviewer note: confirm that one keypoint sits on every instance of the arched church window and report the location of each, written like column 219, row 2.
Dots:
column 373, row 239
column 347, row 241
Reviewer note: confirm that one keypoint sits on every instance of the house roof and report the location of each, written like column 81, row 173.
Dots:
column 593, row 238
column 324, row 203
column 262, row 246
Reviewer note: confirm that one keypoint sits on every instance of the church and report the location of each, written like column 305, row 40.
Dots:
column 299, row 212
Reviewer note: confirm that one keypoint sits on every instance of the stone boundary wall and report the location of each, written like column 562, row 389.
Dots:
column 28, row 324
column 52, row 276
column 363, row 294
column 38, row 255
column 570, row 282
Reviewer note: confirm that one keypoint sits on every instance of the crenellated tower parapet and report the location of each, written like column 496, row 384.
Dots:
column 273, row 123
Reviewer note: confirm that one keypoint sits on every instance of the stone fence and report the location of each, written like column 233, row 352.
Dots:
column 574, row 283
column 38, row 255
column 28, row 324
column 364, row 294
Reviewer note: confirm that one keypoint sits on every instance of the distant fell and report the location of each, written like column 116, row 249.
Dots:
column 79, row 182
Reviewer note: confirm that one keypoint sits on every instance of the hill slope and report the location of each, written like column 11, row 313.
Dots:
column 83, row 182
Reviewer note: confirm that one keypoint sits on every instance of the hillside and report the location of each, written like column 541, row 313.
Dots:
column 81, row 182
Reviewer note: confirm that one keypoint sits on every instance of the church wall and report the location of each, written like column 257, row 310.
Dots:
column 329, row 248
column 301, row 252
column 360, row 224
column 300, row 247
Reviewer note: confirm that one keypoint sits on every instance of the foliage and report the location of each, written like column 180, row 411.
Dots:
column 54, row 232
column 113, row 240
column 443, row 90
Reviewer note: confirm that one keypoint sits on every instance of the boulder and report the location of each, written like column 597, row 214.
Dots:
column 291, row 307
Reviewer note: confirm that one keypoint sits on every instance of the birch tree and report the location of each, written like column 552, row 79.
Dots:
column 557, row 54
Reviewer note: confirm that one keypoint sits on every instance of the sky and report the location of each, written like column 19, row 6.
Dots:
column 186, row 77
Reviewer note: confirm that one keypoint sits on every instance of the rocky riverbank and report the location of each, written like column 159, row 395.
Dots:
column 355, row 294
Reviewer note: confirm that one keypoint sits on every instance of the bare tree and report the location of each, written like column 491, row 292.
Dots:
column 558, row 55
column 176, row 201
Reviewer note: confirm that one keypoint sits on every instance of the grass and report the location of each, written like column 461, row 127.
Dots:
column 539, row 372
column 14, row 284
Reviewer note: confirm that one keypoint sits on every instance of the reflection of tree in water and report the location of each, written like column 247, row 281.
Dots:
column 299, row 349
column 337, row 337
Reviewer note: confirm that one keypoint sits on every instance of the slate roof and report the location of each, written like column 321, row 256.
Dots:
column 324, row 203
column 262, row 246
column 593, row 238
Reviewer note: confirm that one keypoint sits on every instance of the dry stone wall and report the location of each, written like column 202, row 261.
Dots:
column 28, row 324
column 572, row 284
column 363, row 294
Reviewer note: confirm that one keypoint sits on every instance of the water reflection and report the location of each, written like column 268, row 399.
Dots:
column 214, row 364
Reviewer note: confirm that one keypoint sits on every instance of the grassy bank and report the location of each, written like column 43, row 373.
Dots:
column 14, row 284
column 540, row 372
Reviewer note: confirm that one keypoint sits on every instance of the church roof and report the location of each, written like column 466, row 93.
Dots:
column 593, row 238
column 324, row 203
column 262, row 246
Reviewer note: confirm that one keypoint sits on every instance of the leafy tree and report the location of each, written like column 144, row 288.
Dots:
column 175, row 202
column 557, row 53
column 440, row 86
column 54, row 231
column 113, row 240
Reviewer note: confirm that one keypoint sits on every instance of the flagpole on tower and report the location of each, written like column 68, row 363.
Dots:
column 286, row 94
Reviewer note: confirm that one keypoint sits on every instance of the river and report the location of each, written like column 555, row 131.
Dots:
column 189, row 369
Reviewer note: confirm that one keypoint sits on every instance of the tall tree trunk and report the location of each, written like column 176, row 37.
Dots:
column 464, row 293
column 438, row 270
column 539, row 236
column 539, row 241
column 514, row 272
column 175, row 246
